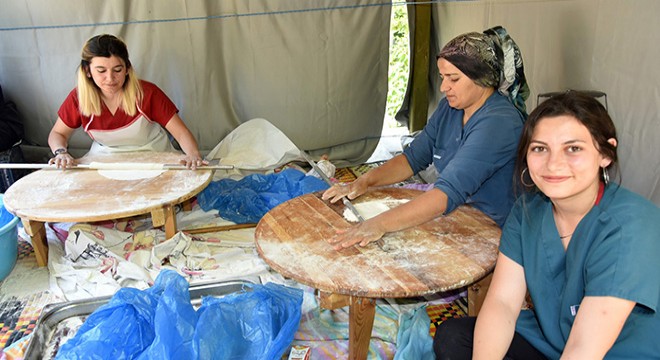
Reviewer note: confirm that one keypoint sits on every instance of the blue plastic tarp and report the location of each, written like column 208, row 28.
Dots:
column 247, row 200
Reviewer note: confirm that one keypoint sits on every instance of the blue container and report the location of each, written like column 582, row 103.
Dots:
column 8, row 240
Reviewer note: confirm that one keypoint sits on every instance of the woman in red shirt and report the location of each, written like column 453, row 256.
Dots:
column 117, row 110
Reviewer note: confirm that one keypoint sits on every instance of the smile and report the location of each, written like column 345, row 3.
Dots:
column 555, row 179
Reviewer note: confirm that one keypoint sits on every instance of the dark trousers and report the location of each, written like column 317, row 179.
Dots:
column 454, row 337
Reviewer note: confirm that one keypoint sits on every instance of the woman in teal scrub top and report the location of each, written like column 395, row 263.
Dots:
column 586, row 249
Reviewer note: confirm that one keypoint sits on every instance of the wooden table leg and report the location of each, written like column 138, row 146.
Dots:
column 477, row 294
column 170, row 222
column 361, row 321
column 37, row 232
column 333, row 301
column 187, row 205
column 166, row 217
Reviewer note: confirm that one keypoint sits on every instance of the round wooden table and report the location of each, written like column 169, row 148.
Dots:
column 80, row 195
column 447, row 253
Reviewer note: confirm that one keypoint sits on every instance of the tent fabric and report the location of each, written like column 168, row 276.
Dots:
column 316, row 69
column 601, row 45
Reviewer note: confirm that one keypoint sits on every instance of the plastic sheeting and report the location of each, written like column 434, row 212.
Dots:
column 247, row 200
column 256, row 145
column 161, row 323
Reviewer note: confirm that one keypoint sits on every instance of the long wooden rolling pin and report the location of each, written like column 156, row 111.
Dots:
column 114, row 166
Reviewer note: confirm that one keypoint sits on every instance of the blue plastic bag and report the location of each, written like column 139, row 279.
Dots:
column 256, row 325
column 413, row 340
column 249, row 199
column 126, row 326
column 161, row 323
column 174, row 322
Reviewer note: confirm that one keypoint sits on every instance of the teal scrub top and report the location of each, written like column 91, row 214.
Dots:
column 614, row 251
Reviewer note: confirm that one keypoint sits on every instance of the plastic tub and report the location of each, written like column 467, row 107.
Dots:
column 8, row 240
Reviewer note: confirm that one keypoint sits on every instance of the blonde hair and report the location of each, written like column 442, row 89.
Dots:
column 89, row 94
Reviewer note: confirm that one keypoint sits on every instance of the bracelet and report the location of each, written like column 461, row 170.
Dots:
column 60, row 151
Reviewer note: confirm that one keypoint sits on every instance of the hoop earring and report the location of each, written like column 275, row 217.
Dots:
column 522, row 179
column 606, row 176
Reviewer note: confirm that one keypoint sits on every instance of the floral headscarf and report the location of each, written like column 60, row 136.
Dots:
column 490, row 59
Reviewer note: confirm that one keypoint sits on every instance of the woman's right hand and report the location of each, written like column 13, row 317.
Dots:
column 63, row 160
column 350, row 190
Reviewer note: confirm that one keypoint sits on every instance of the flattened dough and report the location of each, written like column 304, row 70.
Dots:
column 371, row 209
column 130, row 174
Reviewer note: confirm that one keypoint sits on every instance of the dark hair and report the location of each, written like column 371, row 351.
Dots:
column 587, row 110
column 104, row 45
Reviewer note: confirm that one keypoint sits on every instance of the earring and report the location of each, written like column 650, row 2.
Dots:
column 606, row 176
column 522, row 179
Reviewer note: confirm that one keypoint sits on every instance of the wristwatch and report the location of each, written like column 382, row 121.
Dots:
column 60, row 151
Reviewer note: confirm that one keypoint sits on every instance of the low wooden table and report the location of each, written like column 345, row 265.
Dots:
column 447, row 253
column 85, row 196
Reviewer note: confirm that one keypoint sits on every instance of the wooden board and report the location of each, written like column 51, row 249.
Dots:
column 85, row 195
column 446, row 253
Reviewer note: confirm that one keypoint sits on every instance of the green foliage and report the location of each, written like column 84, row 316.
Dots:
column 399, row 63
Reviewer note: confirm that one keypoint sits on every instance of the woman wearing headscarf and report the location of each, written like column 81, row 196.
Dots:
column 470, row 139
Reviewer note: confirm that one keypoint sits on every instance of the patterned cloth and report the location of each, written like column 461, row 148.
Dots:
column 512, row 73
column 18, row 315
column 490, row 59
column 441, row 312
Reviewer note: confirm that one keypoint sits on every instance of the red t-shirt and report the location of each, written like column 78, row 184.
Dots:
column 155, row 105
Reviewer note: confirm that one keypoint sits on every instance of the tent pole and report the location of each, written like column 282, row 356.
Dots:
column 419, row 101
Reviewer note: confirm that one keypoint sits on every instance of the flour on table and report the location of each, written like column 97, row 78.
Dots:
column 130, row 174
column 369, row 209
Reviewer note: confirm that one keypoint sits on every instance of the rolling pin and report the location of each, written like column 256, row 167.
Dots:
column 114, row 166
column 380, row 242
column 325, row 178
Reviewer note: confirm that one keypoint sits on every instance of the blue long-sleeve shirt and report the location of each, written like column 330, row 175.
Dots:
column 475, row 162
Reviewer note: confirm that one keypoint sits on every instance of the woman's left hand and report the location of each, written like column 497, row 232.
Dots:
column 192, row 162
column 362, row 234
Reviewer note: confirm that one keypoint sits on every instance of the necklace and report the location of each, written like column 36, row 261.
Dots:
column 565, row 236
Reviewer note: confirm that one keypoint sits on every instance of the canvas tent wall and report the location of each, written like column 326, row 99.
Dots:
column 318, row 69
column 605, row 45
column 315, row 69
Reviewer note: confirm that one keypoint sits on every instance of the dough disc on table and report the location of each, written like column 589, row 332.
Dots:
column 371, row 209
column 130, row 174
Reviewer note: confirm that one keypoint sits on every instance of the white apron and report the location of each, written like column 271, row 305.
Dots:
column 141, row 134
